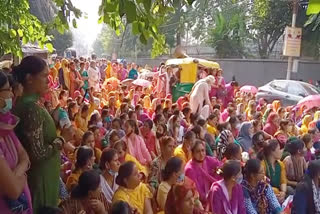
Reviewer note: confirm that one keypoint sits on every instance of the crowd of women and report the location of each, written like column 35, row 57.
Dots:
column 73, row 140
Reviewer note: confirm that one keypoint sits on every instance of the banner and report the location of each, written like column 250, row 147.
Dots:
column 292, row 41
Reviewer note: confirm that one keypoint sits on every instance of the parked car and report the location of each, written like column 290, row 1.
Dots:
column 289, row 92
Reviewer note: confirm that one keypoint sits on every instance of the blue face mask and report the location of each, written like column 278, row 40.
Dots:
column 180, row 179
column 239, row 179
column 8, row 106
column 111, row 172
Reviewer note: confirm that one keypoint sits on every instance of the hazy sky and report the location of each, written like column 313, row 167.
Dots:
column 87, row 29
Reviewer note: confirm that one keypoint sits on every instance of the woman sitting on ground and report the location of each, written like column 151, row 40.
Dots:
column 258, row 194
column 109, row 165
column 131, row 190
column 226, row 195
column 202, row 169
column 86, row 197
column 84, row 162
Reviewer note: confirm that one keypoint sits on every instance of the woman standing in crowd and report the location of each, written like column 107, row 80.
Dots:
column 272, row 124
column 38, row 132
column 283, row 134
column 14, row 161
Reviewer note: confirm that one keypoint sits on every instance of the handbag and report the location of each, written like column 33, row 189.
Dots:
column 19, row 205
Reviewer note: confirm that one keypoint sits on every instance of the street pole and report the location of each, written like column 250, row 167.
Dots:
column 294, row 19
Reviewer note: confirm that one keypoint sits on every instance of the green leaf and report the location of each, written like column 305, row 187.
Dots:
column 20, row 32
column 22, row 21
column 143, row 39
column 130, row 10
column 100, row 20
column 74, row 23
column 135, row 28
column 13, row 33
column 50, row 47
column 147, row 5
column 25, row 40
column 30, row 29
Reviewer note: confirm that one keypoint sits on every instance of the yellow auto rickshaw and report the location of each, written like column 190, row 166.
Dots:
column 189, row 73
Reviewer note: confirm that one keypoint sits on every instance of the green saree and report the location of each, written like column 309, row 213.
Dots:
column 37, row 132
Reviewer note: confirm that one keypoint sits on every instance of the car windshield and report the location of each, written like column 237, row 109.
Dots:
column 311, row 90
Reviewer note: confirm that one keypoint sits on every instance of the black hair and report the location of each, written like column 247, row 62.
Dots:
column 230, row 168
column 196, row 144
column 29, row 65
column 85, row 137
column 88, row 181
column 125, row 171
column 149, row 123
column 131, row 113
column 314, row 169
column 197, row 131
column 133, row 124
column 116, row 120
column 188, row 135
column 231, row 150
column 268, row 148
column 70, row 106
column 157, row 118
column 201, row 122
column 84, row 154
column 3, row 79
column 186, row 110
column 293, row 146
column 158, row 108
column 255, row 139
column 121, row 207
column 252, row 167
column 106, row 157
column 284, row 123
column 306, row 138
column 233, row 120
column 62, row 93
column 173, row 165
column 212, row 116
column 222, row 126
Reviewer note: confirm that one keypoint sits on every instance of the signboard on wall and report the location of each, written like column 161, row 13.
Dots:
column 292, row 41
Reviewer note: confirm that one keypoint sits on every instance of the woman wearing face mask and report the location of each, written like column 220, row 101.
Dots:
column 274, row 168
column 131, row 190
column 15, row 161
column 157, row 165
column 226, row 195
column 86, row 197
column 109, row 166
column 245, row 136
column 38, row 132
column 295, row 163
column 307, row 197
column 84, row 162
column 258, row 194
column 202, row 169
column 172, row 174
column 136, row 145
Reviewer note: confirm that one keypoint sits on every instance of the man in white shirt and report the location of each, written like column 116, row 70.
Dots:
column 94, row 76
